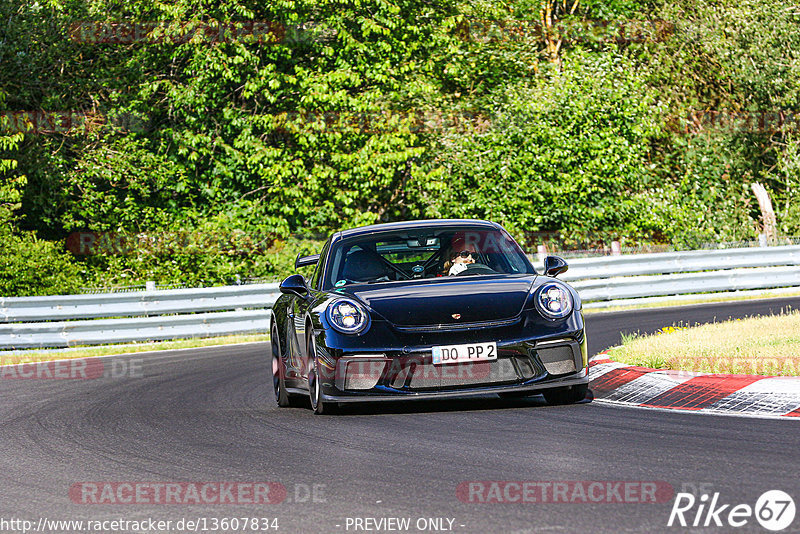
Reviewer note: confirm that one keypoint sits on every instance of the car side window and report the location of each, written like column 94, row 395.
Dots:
column 320, row 268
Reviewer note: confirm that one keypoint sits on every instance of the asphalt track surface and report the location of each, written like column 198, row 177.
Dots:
column 209, row 415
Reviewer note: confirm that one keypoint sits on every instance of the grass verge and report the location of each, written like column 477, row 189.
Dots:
column 33, row 356
column 768, row 345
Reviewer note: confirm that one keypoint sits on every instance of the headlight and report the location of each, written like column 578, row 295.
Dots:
column 554, row 301
column 347, row 316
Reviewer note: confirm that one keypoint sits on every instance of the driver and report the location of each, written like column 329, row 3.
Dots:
column 459, row 255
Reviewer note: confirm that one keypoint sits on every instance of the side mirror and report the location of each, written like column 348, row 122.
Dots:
column 294, row 285
column 305, row 261
column 553, row 266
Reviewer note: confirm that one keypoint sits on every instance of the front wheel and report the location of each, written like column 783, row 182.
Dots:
column 282, row 397
column 319, row 405
column 566, row 395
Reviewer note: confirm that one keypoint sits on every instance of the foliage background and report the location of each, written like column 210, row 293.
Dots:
column 379, row 110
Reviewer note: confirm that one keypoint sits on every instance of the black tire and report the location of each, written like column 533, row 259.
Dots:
column 318, row 405
column 282, row 397
column 566, row 395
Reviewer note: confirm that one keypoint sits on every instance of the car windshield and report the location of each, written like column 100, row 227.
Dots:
column 424, row 254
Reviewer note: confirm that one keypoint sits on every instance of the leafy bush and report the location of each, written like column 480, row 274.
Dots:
column 565, row 153
column 215, row 252
column 318, row 130
column 30, row 266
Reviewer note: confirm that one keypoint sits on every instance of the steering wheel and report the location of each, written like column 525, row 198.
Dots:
column 476, row 268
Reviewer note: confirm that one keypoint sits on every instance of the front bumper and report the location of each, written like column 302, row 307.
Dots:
column 468, row 392
column 526, row 366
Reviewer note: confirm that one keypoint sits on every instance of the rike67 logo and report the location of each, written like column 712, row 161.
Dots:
column 774, row 510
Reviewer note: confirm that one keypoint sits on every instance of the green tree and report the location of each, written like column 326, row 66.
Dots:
column 566, row 153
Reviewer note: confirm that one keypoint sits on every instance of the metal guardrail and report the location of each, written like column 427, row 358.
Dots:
column 139, row 303
column 69, row 320
column 687, row 283
column 107, row 331
column 63, row 321
column 680, row 262
column 630, row 276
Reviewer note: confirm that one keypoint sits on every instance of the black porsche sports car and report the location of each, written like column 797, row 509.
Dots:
column 424, row 310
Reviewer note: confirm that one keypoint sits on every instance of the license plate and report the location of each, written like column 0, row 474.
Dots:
column 472, row 352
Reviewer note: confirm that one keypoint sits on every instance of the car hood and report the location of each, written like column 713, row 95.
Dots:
column 439, row 302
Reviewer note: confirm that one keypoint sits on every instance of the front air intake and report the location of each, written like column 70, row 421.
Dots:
column 560, row 360
column 359, row 374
